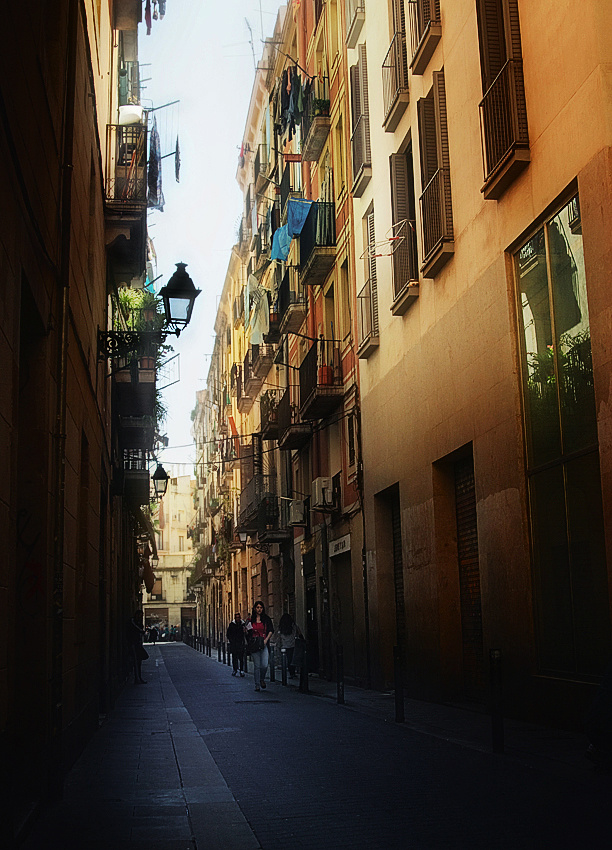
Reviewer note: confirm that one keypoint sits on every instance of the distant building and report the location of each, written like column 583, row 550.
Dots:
column 170, row 605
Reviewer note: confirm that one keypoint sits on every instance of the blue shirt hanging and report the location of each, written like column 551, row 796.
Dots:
column 281, row 242
column 297, row 213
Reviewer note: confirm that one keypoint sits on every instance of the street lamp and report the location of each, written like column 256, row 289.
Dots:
column 160, row 481
column 179, row 296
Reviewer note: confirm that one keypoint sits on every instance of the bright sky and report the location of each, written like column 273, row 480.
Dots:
column 200, row 54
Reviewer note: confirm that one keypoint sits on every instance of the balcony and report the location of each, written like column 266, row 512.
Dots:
column 425, row 31
column 292, row 302
column 268, row 408
column 317, row 243
column 252, row 381
column 262, row 357
column 504, row 133
column 362, row 157
column 256, row 490
column 244, row 400
column 293, row 433
column 238, row 310
column 355, row 16
column 134, row 389
column 136, row 484
column 395, row 82
column 273, row 335
column 315, row 123
column 129, row 83
column 367, row 318
column 288, row 187
column 405, row 267
column 437, row 218
column 126, row 167
column 321, row 386
column 261, row 167
column 273, row 520
column 137, row 432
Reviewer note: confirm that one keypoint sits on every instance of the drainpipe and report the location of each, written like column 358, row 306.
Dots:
column 55, row 769
column 364, row 562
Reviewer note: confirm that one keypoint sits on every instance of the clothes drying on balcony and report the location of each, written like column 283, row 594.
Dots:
column 297, row 211
column 154, row 177
column 281, row 242
column 260, row 316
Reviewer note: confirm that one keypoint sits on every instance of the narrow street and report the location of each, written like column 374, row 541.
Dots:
column 197, row 759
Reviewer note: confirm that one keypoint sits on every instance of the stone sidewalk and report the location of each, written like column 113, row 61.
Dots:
column 171, row 769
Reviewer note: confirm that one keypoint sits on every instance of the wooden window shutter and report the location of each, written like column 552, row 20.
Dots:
column 399, row 17
column 365, row 103
column 493, row 53
column 428, row 138
column 355, row 95
column 400, row 211
column 372, row 272
column 443, row 157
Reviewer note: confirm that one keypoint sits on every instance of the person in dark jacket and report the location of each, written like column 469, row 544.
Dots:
column 259, row 632
column 237, row 642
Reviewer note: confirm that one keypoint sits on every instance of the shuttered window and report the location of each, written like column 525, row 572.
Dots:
column 404, row 256
column 436, row 202
column 503, row 109
column 367, row 299
column 360, row 138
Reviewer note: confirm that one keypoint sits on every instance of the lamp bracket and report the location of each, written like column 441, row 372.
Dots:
column 130, row 343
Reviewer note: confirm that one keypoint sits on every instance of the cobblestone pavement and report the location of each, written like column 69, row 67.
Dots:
column 197, row 760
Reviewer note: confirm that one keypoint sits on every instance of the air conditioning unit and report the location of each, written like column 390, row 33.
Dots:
column 297, row 512
column 322, row 494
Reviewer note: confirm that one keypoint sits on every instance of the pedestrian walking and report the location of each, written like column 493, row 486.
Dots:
column 288, row 631
column 259, row 632
column 237, row 643
column 135, row 633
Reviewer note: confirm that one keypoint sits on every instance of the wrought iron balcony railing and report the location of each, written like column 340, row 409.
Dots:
column 321, row 385
column 126, row 165
column 360, row 145
column 268, row 408
column 318, row 232
column 503, row 117
column 425, row 32
column 367, row 315
column 355, row 16
column 436, row 212
column 394, row 74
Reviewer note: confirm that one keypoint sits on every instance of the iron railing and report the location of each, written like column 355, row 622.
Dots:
column 360, row 145
column 268, row 409
column 405, row 262
column 291, row 292
column 261, row 160
column 251, row 496
column 319, row 230
column 503, row 116
column 320, row 368
column 367, row 314
column 352, row 9
column 126, row 164
column 436, row 212
column 422, row 13
column 394, row 72
column 317, row 104
column 129, row 83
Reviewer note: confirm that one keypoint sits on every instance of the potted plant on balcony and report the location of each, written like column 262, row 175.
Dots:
column 320, row 107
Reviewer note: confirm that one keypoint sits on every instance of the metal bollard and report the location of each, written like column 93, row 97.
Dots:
column 399, row 685
column 340, row 674
column 208, row 647
column 283, row 666
column 218, row 650
column 272, row 667
column 223, row 650
column 304, row 673
column 497, row 717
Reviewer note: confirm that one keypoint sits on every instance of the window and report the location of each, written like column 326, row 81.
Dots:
column 360, row 138
column 350, row 439
column 367, row 299
column 181, row 543
column 570, row 575
column 503, row 110
column 436, row 203
column 425, row 31
column 404, row 261
column 395, row 71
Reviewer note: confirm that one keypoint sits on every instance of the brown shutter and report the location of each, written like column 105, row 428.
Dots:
column 400, row 211
column 399, row 17
column 355, row 96
column 439, row 93
column 493, row 52
column 428, row 138
column 372, row 272
column 365, row 103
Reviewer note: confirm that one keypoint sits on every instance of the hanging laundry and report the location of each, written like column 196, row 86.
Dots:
column 148, row 16
column 297, row 212
column 177, row 161
column 155, row 198
column 281, row 242
column 155, row 13
column 162, row 8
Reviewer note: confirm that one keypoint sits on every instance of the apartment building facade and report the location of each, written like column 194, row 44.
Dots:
column 282, row 388
column 77, row 416
column 482, row 216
